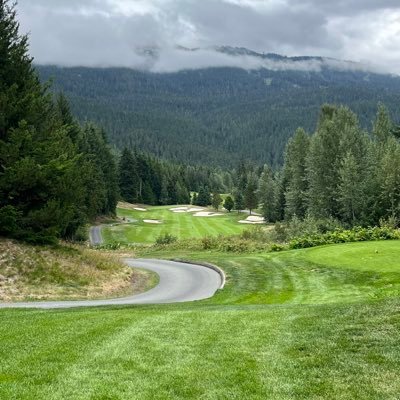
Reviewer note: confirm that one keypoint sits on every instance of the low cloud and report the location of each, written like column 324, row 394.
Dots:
column 120, row 33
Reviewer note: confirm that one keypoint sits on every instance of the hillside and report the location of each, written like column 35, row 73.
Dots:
column 191, row 115
column 64, row 272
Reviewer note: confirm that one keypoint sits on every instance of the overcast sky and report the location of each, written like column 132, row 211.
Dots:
column 115, row 32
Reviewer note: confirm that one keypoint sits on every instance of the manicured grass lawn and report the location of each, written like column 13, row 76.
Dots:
column 287, row 326
column 181, row 225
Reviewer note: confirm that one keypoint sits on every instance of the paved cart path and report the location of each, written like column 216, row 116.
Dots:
column 179, row 282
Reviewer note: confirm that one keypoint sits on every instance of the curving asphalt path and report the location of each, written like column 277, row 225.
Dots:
column 179, row 282
column 95, row 236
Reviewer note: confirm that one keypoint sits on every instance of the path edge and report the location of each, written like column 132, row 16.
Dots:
column 217, row 269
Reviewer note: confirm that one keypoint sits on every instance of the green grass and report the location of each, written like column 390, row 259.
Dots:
column 181, row 225
column 294, row 325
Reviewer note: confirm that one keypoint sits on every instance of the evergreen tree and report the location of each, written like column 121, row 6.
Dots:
column 229, row 203
column 267, row 193
column 383, row 126
column 250, row 194
column 323, row 163
column 239, row 202
column 216, row 200
column 204, row 197
column 164, row 197
column 350, row 191
column 296, row 175
column 128, row 177
column 389, row 177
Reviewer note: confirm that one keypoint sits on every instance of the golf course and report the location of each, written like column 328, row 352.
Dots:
column 151, row 222
column 304, row 324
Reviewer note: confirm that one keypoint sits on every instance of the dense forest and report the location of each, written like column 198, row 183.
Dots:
column 55, row 175
column 340, row 174
column 217, row 116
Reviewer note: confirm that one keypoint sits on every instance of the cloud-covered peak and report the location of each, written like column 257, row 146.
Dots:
column 157, row 34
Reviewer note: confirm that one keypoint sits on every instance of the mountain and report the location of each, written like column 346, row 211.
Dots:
column 220, row 115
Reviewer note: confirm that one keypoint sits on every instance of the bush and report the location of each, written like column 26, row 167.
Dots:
column 80, row 234
column 166, row 238
column 357, row 234
column 209, row 242
column 277, row 247
column 10, row 219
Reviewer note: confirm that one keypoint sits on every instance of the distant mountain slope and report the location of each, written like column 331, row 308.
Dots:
column 220, row 115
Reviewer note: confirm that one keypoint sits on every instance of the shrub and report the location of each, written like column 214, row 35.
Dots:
column 209, row 242
column 357, row 234
column 166, row 238
column 277, row 247
column 9, row 220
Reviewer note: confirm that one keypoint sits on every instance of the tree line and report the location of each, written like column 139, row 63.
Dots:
column 55, row 175
column 342, row 172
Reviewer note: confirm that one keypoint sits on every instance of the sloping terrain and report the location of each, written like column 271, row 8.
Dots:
column 287, row 326
column 217, row 115
column 64, row 272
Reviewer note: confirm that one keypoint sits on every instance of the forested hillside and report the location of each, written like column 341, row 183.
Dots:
column 219, row 115
column 55, row 175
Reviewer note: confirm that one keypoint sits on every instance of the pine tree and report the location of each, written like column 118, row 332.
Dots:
column 204, row 197
column 239, row 202
column 383, row 125
column 350, row 191
column 296, row 175
column 267, row 193
column 216, row 200
column 229, row 203
column 128, row 177
column 164, row 197
column 250, row 194
column 21, row 94
column 389, row 177
column 323, row 163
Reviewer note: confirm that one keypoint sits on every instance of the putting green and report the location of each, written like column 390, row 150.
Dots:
column 366, row 256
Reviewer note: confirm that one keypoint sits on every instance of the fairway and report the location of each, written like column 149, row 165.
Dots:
column 181, row 225
column 285, row 327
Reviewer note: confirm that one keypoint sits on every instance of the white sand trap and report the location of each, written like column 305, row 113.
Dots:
column 195, row 209
column 206, row 214
column 139, row 209
column 179, row 211
column 253, row 220
column 152, row 221
column 175, row 209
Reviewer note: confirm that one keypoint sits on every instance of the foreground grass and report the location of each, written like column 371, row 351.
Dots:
column 287, row 326
column 181, row 225
column 64, row 272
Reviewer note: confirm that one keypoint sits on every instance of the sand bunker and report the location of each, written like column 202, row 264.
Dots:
column 152, row 221
column 206, row 214
column 253, row 220
column 186, row 209
column 129, row 206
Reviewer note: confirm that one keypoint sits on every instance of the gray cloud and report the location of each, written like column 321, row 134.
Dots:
column 117, row 32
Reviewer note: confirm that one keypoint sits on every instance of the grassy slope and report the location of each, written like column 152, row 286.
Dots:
column 64, row 272
column 285, row 327
column 182, row 225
